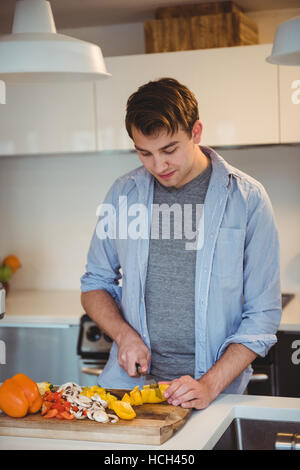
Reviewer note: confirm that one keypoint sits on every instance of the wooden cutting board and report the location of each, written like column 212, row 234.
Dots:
column 154, row 424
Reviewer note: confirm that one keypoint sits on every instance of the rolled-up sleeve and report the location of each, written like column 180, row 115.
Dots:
column 261, row 313
column 103, row 266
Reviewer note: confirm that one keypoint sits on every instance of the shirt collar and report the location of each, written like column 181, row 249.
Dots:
column 221, row 170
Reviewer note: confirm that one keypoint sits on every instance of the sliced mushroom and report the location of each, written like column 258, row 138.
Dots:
column 83, row 401
column 113, row 418
column 72, row 386
column 100, row 416
column 90, row 414
column 100, row 400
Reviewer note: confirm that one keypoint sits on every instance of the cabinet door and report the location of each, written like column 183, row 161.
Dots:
column 47, row 118
column 235, row 87
column 238, row 96
column 289, row 92
column 288, row 363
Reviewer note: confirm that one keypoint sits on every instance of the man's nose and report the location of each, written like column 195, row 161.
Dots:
column 161, row 164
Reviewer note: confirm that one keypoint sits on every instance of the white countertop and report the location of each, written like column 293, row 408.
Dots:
column 27, row 306
column 202, row 430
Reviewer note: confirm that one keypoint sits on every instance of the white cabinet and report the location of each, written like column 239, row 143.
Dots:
column 238, row 98
column 47, row 118
column 289, row 95
column 237, row 92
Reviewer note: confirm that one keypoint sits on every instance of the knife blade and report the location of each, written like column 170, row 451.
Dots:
column 149, row 379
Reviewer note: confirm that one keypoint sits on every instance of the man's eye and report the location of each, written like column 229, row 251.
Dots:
column 168, row 152
column 145, row 154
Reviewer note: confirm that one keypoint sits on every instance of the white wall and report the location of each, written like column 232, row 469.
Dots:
column 48, row 209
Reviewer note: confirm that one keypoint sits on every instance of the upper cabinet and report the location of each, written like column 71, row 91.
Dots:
column 289, row 95
column 237, row 92
column 243, row 100
column 47, row 118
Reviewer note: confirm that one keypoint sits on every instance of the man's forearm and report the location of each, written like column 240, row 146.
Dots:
column 230, row 365
column 101, row 307
column 103, row 310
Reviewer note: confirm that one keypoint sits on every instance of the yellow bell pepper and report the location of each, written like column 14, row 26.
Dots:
column 111, row 399
column 162, row 387
column 127, row 398
column 136, row 396
column 153, row 396
column 124, row 410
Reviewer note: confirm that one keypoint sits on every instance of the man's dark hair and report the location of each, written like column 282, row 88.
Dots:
column 164, row 104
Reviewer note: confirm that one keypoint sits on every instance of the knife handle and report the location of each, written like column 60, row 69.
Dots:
column 138, row 368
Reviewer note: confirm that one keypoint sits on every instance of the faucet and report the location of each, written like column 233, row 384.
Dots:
column 2, row 301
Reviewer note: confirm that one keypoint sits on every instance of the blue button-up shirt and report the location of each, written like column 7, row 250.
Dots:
column 237, row 279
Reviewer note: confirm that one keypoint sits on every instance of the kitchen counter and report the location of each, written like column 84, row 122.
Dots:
column 201, row 431
column 27, row 306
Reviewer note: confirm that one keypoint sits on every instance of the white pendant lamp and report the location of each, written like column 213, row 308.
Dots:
column 35, row 52
column 286, row 47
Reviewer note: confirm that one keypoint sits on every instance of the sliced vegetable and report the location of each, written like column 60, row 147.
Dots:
column 127, row 398
column 55, row 406
column 124, row 410
column 136, row 397
column 44, row 387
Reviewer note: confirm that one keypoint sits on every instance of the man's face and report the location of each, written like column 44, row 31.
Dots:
column 171, row 159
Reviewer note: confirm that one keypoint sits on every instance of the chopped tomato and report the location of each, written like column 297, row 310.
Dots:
column 51, row 413
column 67, row 415
column 46, row 407
column 56, row 405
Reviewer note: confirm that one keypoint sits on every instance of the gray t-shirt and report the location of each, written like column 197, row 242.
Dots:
column 170, row 282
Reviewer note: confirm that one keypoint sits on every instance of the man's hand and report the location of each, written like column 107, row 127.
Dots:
column 189, row 393
column 132, row 351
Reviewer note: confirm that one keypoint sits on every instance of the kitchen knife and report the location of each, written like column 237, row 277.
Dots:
column 149, row 379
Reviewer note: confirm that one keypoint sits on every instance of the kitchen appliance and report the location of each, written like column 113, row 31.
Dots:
column 93, row 349
column 2, row 301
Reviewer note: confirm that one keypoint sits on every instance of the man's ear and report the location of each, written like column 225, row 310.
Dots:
column 197, row 131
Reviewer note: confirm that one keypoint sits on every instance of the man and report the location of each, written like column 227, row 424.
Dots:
column 194, row 314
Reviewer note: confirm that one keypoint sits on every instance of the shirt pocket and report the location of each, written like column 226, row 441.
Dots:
column 229, row 253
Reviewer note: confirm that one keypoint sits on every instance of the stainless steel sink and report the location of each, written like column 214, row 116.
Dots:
column 254, row 434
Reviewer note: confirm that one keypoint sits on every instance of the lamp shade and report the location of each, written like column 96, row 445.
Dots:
column 36, row 52
column 286, row 47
